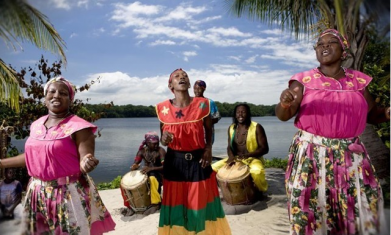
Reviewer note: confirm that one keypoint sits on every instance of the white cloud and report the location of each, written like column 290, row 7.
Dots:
column 239, row 60
column 188, row 54
column 236, row 58
column 62, row 4
column 251, row 59
column 99, row 31
column 232, row 31
column 181, row 13
column 207, row 19
column 82, row 3
column 73, row 35
column 122, row 89
column 69, row 4
column 225, row 83
column 160, row 24
column 162, row 42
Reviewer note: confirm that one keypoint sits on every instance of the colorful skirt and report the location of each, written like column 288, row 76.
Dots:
column 332, row 187
column 69, row 205
column 191, row 202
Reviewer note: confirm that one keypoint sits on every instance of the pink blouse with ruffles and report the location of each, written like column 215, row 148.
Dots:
column 332, row 108
column 51, row 153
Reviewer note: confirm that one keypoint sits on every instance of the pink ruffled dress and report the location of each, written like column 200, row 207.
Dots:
column 331, row 185
column 60, row 199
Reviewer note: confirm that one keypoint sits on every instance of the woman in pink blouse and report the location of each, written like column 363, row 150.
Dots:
column 331, row 185
column 61, row 198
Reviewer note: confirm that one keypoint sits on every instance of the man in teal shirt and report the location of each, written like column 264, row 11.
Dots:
column 199, row 89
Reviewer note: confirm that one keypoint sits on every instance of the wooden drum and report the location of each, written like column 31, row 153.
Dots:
column 236, row 184
column 136, row 189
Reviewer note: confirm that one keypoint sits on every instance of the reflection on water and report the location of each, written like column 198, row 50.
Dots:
column 121, row 138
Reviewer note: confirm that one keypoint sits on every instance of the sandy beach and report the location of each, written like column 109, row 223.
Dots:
column 268, row 216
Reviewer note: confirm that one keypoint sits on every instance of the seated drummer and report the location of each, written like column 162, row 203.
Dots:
column 153, row 157
column 247, row 143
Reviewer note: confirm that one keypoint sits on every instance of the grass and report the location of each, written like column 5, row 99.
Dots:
column 269, row 163
column 276, row 163
column 111, row 185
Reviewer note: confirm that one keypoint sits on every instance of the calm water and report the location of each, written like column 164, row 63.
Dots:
column 121, row 138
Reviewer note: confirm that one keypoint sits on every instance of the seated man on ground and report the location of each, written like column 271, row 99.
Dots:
column 153, row 157
column 247, row 143
column 10, row 194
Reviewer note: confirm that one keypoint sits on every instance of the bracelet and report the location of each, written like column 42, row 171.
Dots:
column 284, row 106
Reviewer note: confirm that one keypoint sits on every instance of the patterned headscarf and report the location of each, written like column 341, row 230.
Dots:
column 71, row 87
column 342, row 40
column 170, row 79
column 150, row 137
column 200, row 83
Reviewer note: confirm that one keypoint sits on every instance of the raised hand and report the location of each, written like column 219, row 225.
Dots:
column 88, row 163
column 167, row 138
column 288, row 96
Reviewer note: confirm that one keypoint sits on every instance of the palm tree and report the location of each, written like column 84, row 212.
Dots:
column 351, row 17
column 20, row 21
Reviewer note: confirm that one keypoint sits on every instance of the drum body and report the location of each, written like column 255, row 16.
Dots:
column 135, row 186
column 236, row 184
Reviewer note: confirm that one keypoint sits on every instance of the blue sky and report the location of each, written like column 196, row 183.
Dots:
column 133, row 46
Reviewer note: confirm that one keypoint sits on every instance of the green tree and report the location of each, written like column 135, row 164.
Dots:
column 20, row 22
column 353, row 19
column 376, row 63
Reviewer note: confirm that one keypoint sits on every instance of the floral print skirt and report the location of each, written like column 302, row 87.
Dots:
column 332, row 187
column 65, row 207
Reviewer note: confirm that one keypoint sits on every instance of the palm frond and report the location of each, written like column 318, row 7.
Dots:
column 293, row 15
column 19, row 20
column 9, row 86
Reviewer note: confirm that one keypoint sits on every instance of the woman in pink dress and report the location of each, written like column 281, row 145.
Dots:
column 61, row 198
column 331, row 185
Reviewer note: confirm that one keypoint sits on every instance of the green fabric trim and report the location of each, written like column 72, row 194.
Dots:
column 233, row 132
column 192, row 220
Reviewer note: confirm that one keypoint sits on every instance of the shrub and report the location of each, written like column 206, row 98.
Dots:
column 276, row 163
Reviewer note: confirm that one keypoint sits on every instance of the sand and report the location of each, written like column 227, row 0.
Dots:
column 268, row 216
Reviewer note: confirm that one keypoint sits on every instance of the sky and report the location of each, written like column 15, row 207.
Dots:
column 133, row 46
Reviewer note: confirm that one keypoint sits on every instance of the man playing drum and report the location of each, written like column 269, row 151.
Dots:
column 153, row 156
column 247, row 143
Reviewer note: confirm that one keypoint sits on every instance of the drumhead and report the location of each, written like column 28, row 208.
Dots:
column 133, row 179
column 238, row 171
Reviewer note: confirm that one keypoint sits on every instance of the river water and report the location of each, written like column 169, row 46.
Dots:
column 121, row 137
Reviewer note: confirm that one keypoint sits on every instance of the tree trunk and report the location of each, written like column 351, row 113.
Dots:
column 378, row 152
column 4, row 142
column 3, row 148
